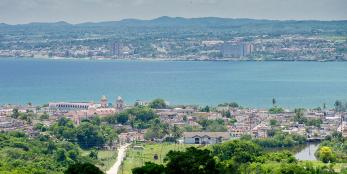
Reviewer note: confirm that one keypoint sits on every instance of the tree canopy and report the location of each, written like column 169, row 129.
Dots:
column 158, row 104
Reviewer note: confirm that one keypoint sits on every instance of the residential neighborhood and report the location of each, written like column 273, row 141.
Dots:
column 209, row 125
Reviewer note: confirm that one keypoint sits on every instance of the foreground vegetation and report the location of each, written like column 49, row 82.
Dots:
column 20, row 154
column 236, row 156
column 333, row 149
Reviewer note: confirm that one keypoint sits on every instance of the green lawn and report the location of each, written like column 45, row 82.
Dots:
column 137, row 158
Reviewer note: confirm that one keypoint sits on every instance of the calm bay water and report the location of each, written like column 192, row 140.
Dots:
column 253, row 84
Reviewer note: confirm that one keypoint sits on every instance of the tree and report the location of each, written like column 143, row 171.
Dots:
column 61, row 155
column 64, row 129
column 44, row 116
column 273, row 122
column 142, row 113
column 96, row 121
column 40, row 127
column 15, row 113
column 89, row 135
column 35, row 155
column 213, row 125
column 273, row 102
column 122, row 117
column 240, row 151
column 340, row 106
column 185, row 118
column 83, row 168
column 232, row 105
column 205, row 109
column 226, row 114
column 149, row 168
column 93, row 154
column 109, row 134
column 176, row 132
column 140, row 116
column 276, row 110
column 191, row 161
column 157, row 130
column 299, row 116
column 326, row 155
column 158, row 104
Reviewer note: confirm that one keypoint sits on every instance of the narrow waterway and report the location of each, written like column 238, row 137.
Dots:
column 307, row 153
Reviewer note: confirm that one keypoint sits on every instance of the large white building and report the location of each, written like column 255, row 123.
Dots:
column 68, row 106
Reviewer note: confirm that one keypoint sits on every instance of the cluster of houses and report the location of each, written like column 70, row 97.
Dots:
column 254, row 122
column 241, row 121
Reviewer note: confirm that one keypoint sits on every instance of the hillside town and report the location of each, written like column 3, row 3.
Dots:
column 258, row 47
column 169, row 38
column 229, row 121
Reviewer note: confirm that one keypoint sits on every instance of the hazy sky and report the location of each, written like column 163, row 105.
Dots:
column 76, row 11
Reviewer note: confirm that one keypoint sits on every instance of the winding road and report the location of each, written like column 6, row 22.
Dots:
column 121, row 154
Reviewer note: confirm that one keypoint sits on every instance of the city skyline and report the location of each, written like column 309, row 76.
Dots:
column 79, row 11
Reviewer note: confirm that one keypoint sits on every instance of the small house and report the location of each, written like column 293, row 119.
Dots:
column 205, row 137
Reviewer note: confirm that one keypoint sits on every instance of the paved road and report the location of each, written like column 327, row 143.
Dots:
column 120, row 157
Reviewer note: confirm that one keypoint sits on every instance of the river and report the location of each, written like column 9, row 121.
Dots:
column 307, row 153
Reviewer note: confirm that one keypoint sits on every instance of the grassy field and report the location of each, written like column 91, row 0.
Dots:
column 137, row 158
column 106, row 158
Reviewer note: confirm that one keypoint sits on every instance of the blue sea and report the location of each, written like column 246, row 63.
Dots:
column 251, row 84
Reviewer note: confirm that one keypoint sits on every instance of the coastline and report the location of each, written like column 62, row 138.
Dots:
column 165, row 59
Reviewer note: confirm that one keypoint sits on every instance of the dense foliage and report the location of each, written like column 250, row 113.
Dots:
column 276, row 110
column 157, row 130
column 232, row 105
column 340, row 106
column 21, row 154
column 233, row 157
column 88, row 134
column 213, row 125
column 27, row 116
column 333, row 149
column 158, row 104
column 281, row 139
column 191, row 161
column 83, row 168
column 138, row 117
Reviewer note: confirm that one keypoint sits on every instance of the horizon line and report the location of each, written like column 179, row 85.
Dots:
column 171, row 17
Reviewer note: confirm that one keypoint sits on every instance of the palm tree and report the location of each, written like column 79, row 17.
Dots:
column 273, row 101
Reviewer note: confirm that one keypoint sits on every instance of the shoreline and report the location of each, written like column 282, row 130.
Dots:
column 164, row 59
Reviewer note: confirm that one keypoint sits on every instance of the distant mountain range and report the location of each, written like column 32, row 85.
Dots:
column 166, row 21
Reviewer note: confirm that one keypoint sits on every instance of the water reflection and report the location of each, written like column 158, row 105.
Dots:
column 308, row 152
column 301, row 152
